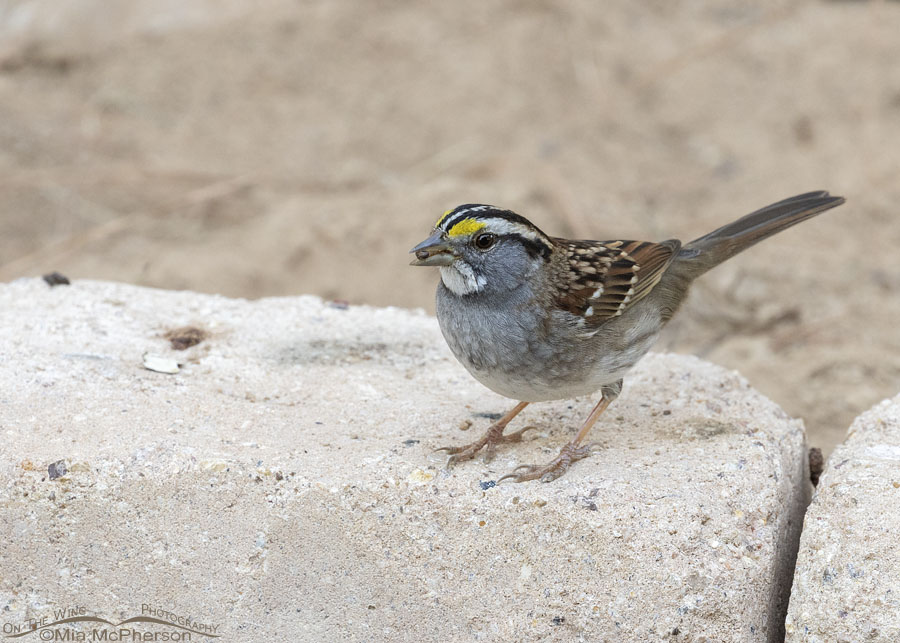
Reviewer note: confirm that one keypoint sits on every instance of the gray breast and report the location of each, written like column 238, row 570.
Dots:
column 483, row 335
column 516, row 350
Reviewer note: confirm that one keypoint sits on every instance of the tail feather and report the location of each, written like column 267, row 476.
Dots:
column 719, row 245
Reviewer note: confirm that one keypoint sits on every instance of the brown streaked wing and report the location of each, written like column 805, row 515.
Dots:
column 607, row 277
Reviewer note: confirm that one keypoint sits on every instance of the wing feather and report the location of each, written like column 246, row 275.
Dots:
column 605, row 278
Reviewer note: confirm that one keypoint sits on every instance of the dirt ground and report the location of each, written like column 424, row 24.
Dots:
column 281, row 147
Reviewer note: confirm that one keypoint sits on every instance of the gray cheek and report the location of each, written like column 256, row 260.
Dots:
column 505, row 268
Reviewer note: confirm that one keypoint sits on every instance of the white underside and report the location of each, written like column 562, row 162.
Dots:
column 528, row 389
column 532, row 391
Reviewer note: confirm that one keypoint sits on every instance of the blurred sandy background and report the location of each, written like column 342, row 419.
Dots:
column 278, row 147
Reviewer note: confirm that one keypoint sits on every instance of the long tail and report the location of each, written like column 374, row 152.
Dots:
column 712, row 249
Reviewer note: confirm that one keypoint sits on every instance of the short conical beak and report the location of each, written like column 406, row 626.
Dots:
column 434, row 251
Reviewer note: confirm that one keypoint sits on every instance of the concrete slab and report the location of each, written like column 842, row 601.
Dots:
column 847, row 581
column 280, row 486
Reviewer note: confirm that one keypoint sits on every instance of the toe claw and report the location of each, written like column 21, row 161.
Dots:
column 517, row 435
column 552, row 470
column 528, row 472
column 488, row 443
column 450, row 450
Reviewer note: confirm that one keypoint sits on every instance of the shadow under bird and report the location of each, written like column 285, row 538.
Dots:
column 538, row 318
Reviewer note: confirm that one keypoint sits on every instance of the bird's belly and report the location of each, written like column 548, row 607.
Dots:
column 558, row 380
column 518, row 386
column 543, row 373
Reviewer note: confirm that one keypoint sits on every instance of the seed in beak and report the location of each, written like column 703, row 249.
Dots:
column 422, row 255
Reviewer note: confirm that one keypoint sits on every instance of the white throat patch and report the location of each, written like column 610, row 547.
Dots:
column 461, row 279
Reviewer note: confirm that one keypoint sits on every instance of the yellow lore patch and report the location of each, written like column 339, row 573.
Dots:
column 466, row 227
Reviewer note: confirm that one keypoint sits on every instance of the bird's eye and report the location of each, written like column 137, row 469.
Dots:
column 485, row 240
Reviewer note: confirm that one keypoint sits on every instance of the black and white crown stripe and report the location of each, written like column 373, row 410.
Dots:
column 502, row 223
column 461, row 212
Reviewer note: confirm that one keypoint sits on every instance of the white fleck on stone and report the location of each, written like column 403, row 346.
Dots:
column 525, row 573
column 160, row 364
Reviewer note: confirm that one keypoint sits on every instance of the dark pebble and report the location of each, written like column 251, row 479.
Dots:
column 56, row 279
column 57, row 469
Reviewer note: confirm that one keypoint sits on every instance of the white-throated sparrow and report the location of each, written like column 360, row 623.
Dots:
column 539, row 318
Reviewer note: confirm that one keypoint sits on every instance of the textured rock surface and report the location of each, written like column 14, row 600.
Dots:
column 847, row 581
column 281, row 484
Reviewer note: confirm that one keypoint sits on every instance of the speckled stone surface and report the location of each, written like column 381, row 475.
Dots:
column 282, row 485
column 847, row 581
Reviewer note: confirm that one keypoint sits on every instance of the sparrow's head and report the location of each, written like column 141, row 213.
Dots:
column 480, row 248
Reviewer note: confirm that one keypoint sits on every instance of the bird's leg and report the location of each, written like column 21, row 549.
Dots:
column 489, row 441
column 570, row 453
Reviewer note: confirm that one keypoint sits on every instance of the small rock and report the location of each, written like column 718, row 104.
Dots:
column 816, row 465
column 56, row 279
column 57, row 469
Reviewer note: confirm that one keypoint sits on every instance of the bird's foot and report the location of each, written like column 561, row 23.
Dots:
column 553, row 469
column 488, row 442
